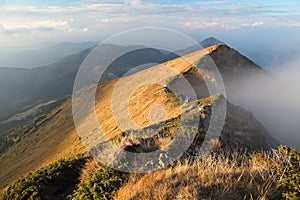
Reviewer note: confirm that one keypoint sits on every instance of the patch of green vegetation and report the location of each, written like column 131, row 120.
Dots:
column 47, row 183
column 10, row 137
column 29, row 115
column 100, row 185
column 14, row 131
column 289, row 171
column 199, row 136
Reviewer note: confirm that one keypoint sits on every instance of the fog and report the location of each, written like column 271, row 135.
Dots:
column 274, row 99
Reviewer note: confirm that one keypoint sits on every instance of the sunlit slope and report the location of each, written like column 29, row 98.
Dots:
column 134, row 96
column 133, row 102
column 57, row 138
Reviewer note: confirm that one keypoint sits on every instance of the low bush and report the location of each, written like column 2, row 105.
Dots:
column 99, row 182
column 289, row 172
column 48, row 182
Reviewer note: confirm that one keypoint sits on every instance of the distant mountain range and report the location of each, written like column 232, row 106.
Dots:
column 33, row 58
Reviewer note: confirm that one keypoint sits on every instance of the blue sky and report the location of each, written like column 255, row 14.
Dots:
column 36, row 21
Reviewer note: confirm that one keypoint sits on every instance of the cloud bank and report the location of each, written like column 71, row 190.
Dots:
column 274, row 99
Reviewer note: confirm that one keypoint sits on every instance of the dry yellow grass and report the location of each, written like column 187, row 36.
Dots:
column 130, row 99
column 57, row 138
column 224, row 176
column 54, row 140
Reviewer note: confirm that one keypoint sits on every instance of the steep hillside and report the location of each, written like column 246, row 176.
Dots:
column 10, row 136
column 231, row 64
column 27, row 88
column 48, row 140
column 55, row 136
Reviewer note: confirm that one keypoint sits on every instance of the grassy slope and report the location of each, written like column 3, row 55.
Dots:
column 225, row 175
column 57, row 137
column 231, row 176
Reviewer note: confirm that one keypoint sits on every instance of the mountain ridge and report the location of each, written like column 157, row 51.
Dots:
column 58, row 133
column 29, row 87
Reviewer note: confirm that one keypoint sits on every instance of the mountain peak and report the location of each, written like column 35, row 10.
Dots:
column 211, row 41
column 208, row 42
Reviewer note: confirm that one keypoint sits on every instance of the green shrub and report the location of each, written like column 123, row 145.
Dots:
column 100, row 185
column 289, row 172
column 46, row 181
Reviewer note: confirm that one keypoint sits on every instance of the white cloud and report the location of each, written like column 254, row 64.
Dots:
column 258, row 23
column 253, row 24
column 212, row 2
column 106, row 20
column 125, row 14
column 34, row 26
column 133, row 3
column 202, row 25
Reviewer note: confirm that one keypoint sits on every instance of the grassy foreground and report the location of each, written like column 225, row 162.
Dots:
column 221, row 175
